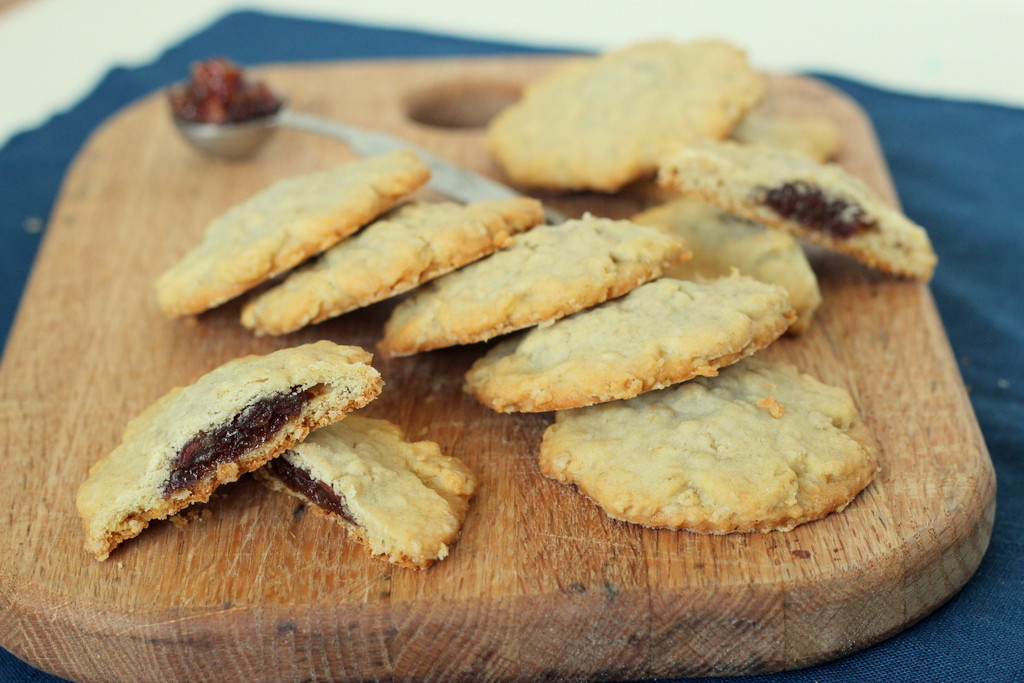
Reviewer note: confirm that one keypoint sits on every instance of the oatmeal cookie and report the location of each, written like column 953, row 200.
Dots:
column 547, row 273
column 412, row 245
column 721, row 242
column 283, row 225
column 761, row 447
column 661, row 333
column 601, row 122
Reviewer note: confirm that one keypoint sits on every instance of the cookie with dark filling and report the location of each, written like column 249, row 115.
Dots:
column 405, row 501
column 822, row 203
column 231, row 421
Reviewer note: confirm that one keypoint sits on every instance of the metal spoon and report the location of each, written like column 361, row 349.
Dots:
column 235, row 140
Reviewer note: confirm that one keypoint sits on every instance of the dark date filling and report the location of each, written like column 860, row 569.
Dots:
column 300, row 481
column 231, row 441
column 808, row 205
column 219, row 93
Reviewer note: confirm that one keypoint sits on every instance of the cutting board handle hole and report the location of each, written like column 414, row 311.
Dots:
column 460, row 104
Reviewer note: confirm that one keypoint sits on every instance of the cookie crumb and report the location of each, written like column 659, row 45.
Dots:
column 186, row 517
column 772, row 406
column 1003, row 383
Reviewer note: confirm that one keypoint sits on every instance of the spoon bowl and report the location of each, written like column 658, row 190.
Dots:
column 228, row 140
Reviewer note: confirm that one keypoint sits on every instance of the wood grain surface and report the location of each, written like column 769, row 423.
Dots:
column 542, row 585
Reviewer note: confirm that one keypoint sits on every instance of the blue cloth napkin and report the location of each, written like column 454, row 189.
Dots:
column 956, row 168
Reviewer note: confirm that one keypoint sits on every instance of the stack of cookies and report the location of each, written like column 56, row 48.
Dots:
column 651, row 422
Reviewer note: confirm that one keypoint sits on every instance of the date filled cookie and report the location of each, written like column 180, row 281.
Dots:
column 415, row 243
column 758, row 448
column 229, row 422
column 661, row 333
column 547, row 273
column 822, row 203
column 403, row 500
column 282, row 226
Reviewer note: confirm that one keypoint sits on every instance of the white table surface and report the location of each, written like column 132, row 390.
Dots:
column 53, row 52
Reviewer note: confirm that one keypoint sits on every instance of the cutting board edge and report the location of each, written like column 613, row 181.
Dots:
column 96, row 632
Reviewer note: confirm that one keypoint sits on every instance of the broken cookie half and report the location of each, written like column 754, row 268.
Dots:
column 822, row 203
column 231, row 421
column 403, row 500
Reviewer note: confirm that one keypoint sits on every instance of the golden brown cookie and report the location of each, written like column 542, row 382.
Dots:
column 822, row 203
column 283, row 225
column 413, row 244
column 601, row 122
column 760, row 447
column 229, row 422
column 721, row 242
column 403, row 500
column 547, row 273
column 661, row 333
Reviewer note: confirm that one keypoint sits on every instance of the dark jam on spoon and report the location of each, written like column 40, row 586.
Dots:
column 218, row 92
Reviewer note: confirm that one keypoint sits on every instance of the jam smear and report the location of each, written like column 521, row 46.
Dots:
column 218, row 92
column 801, row 202
column 231, row 441
column 319, row 492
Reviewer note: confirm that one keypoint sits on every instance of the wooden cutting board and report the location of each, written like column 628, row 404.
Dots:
column 541, row 585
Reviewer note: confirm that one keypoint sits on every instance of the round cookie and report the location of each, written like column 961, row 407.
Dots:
column 599, row 123
column 661, row 333
column 722, row 241
column 759, row 448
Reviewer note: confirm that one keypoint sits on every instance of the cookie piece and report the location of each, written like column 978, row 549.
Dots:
column 600, row 123
column 547, row 273
column 283, row 225
column 661, row 333
column 416, row 243
column 231, row 421
column 402, row 500
column 823, row 203
column 721, row 242
column 761, row 447
column 812, row 136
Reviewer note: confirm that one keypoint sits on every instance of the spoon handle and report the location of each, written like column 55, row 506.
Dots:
column 445, row 177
